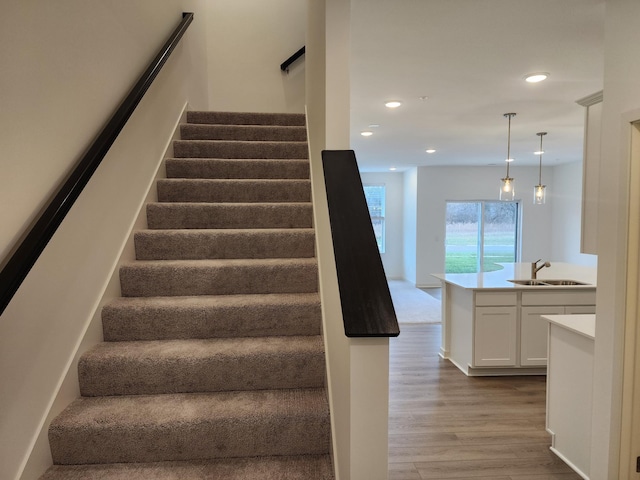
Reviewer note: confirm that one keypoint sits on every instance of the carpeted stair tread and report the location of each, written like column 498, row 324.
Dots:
column 257, row 133
column 202, row 365
column 224, row 243
column 188, row 426
column 153, row 278
column 213, row 363
column 236, row 168
column 229, row 215
column 246, row 118
column 302, row 467
column 233, row 190
column 239, row 149
column 160, row 318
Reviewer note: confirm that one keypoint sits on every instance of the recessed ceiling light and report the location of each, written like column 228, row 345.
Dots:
column 509, row 159
column 393, row 104
column 430, row 150
column 393, row 169
column 539, row 152
column 536, row 77
column 366, row 133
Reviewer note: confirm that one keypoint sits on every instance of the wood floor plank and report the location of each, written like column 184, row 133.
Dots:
column 445, row 425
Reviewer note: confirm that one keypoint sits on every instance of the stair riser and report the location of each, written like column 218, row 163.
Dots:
column 237, row 149
column 192, row 245
column 163, row 374
column 168, row 280
column 236, row 168
column 123, row 323
column 165, row 216
column 223, row 438
column 243, row 118
column 233, row 191
column 243, row 133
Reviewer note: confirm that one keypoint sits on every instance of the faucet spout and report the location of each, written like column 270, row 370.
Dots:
column 535, row 268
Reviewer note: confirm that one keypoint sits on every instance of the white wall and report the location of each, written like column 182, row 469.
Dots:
column 621, row 105
column 66, row 66
column 248, row 40
column 410, row 204
column 566, row 194
column 416, row 210
column 436, row 185
column 357, row 368
column 393, row 257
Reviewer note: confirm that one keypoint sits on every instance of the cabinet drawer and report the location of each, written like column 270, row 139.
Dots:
column 496, row 298
column 559, row 297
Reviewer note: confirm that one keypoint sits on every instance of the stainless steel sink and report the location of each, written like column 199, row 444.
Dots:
column 530, row 283
column 547, row 283
column 563, row 282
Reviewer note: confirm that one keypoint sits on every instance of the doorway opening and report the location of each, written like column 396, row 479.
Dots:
column 480, row 234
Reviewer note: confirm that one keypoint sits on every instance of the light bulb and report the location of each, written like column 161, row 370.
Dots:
column 539, row 194
column 507, row 191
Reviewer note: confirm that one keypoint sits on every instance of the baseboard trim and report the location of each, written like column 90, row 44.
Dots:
column 569, row 463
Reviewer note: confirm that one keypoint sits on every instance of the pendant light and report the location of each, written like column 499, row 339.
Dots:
column 539, row 191
column 507, row 192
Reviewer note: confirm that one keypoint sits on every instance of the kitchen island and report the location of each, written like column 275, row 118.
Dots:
column 570, row 388
column 493, row 326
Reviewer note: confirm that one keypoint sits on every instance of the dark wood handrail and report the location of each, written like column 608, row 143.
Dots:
column 367, row 308
column 25, row 254
column 284, row 66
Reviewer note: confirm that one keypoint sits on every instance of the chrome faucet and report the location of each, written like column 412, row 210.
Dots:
column 535, row 268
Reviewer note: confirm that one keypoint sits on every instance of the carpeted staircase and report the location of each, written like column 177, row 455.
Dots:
column 213, row 361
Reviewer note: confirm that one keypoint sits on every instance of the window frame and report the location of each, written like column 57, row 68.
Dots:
column 382, row 245
column 480, row 263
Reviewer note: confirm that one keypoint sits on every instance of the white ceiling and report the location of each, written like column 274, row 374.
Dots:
column 469, row 58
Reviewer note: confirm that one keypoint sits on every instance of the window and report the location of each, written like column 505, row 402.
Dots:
column 375, row 195
column 479, row 235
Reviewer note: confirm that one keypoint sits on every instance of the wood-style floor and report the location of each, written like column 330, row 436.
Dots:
column 445, row 425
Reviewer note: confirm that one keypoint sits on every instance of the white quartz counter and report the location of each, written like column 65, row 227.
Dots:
column 581, row 324
column 522, row 271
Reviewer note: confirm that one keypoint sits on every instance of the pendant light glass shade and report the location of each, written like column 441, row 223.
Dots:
column 540, row 191
column 507, row 191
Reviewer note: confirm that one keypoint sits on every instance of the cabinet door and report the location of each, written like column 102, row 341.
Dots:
column 533, row 334
column 494, row 342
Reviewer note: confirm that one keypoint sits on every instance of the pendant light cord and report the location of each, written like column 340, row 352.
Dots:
column 509, row 115
column 540, row 169
column 541, row 134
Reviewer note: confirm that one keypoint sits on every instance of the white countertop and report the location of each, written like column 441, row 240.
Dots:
column 581, row 324
column 516, row 271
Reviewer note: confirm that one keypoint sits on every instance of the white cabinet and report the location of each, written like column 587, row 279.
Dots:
column 591, row 171
column 534, row 329
column 495, row 336
column 508, row 330
column 570, row 389
column 580, row 309
column 533, row 334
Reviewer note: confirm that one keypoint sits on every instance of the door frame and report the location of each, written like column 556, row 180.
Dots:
column 630, row 411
